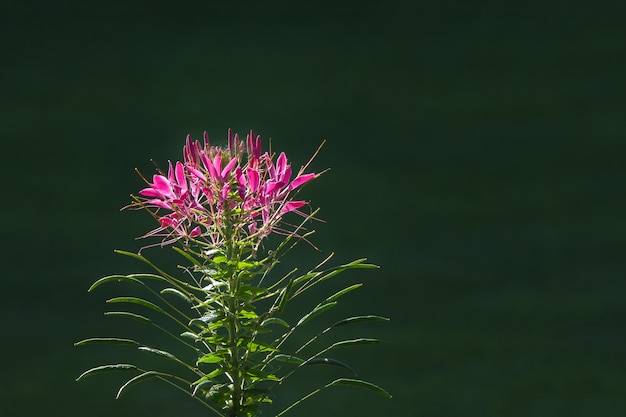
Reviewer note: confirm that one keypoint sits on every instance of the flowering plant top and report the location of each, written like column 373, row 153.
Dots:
column 211, row 184
column 215, row 207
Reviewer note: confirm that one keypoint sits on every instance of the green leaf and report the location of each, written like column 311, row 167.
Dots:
column 284, row 295
column 177, row 293
column 274, row 320
column 216, row 372
column 250, row 290
column 164, row 354
column 287, row 358
column 133, row 316
column 220, row 259
column 135, row 278
column 187, row 256
column 106, row 368
column 354, row 342
column 359, row 383
column 245, row 314
column 319, row 309
column 107, row 340
column 254, row 346
column 137, row 379
column 205, row 320
column 190, row 335
column 342, row 292
column 328, row 361
column 204, row 381
column 136, row 300
column 357, row 319
column 211, row 358
column 258, row 375
column 329, row 273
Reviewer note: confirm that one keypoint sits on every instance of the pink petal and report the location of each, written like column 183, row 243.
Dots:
column 162, row 185
column 229, row 167
column 180, row 176
column 160, row 203
column 217, row 164
column 195, row 232
column 292, row 205
column 301, row 179
column 197, row 173
column 253, row 178
column 281, row 163
column 150, row 192
column 271, row 186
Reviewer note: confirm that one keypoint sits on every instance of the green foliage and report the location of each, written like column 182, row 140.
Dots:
column 234, row 322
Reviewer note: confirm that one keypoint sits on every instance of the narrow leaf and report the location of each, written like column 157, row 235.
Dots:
column 284, row 295
column 136, row 300
column 354, row 342
column 329, row 361
column 211, row 358
column 187, row 256
column 288, row 358
column 177, row 293
column 361, row 384
column 357, row 319
column 133, row 316
column 107, row 340
column 135, row 278
column 274, row 320
column 342, row 292
column 190, row 335
column 319, row 309
column 166, row 355
column 106, row 368
column 137, row 379
column 200, row 384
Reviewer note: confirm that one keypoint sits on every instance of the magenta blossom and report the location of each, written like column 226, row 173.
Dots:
column 214, row 192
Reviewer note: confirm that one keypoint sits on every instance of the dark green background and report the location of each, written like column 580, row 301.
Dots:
column 477, row 154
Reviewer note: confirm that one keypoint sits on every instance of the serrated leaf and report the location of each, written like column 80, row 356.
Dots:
column 133, row 316
column 359, row 383
column 107, row 340
column 176, row 292
column 106, row 368
column 328, row 361
column 139, row 301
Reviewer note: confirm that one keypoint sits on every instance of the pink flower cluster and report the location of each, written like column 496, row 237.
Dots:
column 214, row 192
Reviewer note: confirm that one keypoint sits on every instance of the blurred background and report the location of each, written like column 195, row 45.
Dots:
column 477, row 155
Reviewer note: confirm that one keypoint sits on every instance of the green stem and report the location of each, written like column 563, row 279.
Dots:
column 233, row 306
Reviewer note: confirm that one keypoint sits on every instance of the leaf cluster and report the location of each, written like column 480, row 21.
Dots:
column 234, row 324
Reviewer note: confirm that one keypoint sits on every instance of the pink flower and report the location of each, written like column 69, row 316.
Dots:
column 214, row 187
